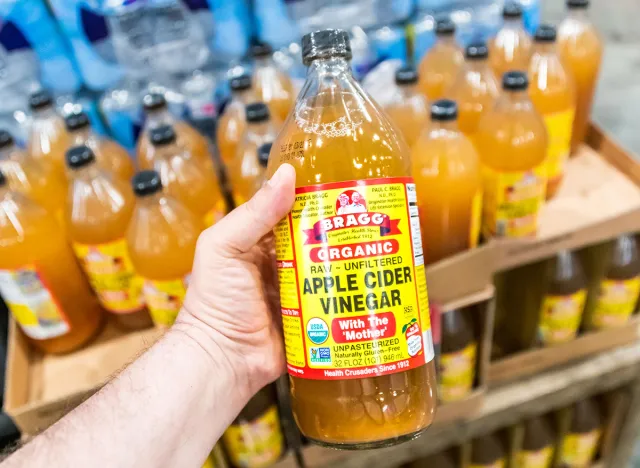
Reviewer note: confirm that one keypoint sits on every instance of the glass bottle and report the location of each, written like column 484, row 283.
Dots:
column 232, row 123
column 510, row 50
column 580, row 444
column 440, row 66
column 353, row 183
column 446, row 170
column 457, row 369
column 271, row 85
column 538, row 444
column 512, row 144
column 487, row 451
column 408, row 109
column 40, row 280
column 162, row 238
column 580, row 47
column 553, row 95
column 476, row 89
column 98, row 211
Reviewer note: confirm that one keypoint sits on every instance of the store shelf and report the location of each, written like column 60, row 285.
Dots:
column 503, row 406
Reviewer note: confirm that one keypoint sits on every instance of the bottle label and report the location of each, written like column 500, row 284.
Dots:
column 32, row 304
column 535, row 459
column 216, row 213
column 512, row 202
column 457, row 372
column 579, row 449
column 559, row 127
column 476, row 219
column 257, row 443
column 209, row 463
column 560, row 317
column 495, row 464
column 352, row 282
column 616, row 302
column 164, row 299
column 112, row 276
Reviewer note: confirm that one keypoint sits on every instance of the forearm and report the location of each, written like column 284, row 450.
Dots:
column 166, row 409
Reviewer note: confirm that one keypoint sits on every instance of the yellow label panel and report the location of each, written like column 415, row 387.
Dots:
column 559, row 128
column 353, row 287
column 616, row 302
column 164, row 300
column 535, row 458
column 495, row 464
column 560, row 317
column 476, row 220
column 457, row 373
column 579, row 449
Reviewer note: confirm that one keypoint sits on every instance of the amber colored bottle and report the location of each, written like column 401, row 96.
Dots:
column 109, row 154
column 162, row 238
column 99, row 208
column 34, row 179
column 271, row 85
column 48, row 138
column 232, row 123
column 512, row 143
column 457, row 369
column 538, row 444
column 353, row 194
column 408, row 108
column 245, row 169
column 446, row 170
column 614, row 272
column 580, row 444
column 510, row 50
column 563, row 302
column 254, row 439
column 158, row 114
column 475, row 90
column 488, row 451
column 184, row 178
column 440, row 66
column 581, row 48
column 553, row 95
column 40, row 280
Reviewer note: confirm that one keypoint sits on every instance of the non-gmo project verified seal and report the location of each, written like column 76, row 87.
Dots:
column 320, row 355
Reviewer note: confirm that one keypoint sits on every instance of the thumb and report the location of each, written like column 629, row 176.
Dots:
column 241, row 229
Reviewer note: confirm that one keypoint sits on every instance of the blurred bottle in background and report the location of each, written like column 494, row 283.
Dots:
column 232, row 123
column 510, row 49
column 440, row 66
column 408, row 108
column 270, row 84
column 457, row 369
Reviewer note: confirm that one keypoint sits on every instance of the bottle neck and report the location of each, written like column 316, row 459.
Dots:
column 81, row 136
column 329, row 66
column 262, row 62
column 448, row 126
column 624, row 250
column 513, row 23
column 517, row 98
column 8, row 153
column 544, row 48
column 44, row 114
column 447, row 41
column 259, row 128
column 579, row 14
column 159, row 117
column 245, row 96
column 85, row 174
column 150, row 201
column 408, row 90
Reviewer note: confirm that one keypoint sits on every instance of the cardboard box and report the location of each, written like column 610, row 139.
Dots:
column 40, row 389
column 533, row 361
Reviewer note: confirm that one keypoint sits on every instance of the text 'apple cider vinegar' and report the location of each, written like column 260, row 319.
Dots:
column 408, row 108
column 349, row 254
column 40, row 280
column 99, row 208
column 440, row 66
column 512, row 143
column 162, row 238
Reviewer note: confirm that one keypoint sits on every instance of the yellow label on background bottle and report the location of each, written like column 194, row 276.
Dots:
column 476, row 220
column 457, row 373
column 112, row 276
column 560, row 317
column 164, row 300
column 559, row 127
column 209, row 463
column 512, row 202
column 352, row 282
column 495, row 464
column 616, row 302
column 31, row 303
column 579, row 449
column 255, row 444
column 535, row 459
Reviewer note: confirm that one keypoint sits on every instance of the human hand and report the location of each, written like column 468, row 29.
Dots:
column 232, row 307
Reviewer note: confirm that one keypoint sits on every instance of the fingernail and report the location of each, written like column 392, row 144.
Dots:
column 277, row 177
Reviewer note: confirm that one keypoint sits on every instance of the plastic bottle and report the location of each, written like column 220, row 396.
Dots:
column 408, row 108
column 580, row 444
column 457, row 369
column 232, row 123
column 581, row 49
column 40, row 280
column 553, row 95
column 33, row 179
column 184, row 178
column 487, row 451
column 270, row 84
column 162, row 238
column 254, row 438
column 512, row 143
column 48, row 138
column 109, row 154
column 245, row 167
column 155, row 106
column 99, row 208
column 538, row 444
column 510, row 50
column 351, row 167
column 475, row 89
column 446, row 170
column 614, row 272
column 439, row 68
